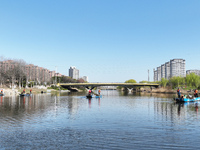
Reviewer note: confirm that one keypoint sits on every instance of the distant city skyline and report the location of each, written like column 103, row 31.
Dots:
column 109, row 41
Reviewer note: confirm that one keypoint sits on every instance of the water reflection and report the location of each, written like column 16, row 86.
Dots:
column 139, row 120
column 11, row 106
column 89, row 102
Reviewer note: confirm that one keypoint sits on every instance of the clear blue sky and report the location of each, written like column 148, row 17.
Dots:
column 107, row 40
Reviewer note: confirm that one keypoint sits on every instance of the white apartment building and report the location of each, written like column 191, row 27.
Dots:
column 163, row 71
column 197, row 72
column 175, row 67
column 155, row 75
column 85, row 78
column 74, row 73
column 167, row 70
column 159, row 73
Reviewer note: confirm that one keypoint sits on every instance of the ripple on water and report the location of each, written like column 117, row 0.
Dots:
column 113, row 122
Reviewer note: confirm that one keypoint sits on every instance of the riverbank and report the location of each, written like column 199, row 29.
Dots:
column 37, row 90
column 165, row 90
column 16, row 91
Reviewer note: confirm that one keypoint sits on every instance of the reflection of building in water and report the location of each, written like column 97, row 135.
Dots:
column 73, row 105
column 170, row 111
column 12, row 106
column 36, row 105
column 107, row 87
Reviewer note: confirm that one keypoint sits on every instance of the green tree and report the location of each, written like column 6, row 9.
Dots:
column 193, row 80
column 163, row 82
column 130, row 81
column 144, row 81
column 177, row 81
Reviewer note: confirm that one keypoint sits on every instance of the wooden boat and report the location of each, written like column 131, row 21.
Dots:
column 187, row 99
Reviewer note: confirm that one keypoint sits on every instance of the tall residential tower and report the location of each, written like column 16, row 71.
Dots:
column 74, row 73
column 175, row 67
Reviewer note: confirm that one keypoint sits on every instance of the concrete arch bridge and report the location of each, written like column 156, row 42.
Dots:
column 91, row 86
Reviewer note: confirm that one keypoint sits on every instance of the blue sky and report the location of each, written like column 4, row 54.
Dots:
column 107, row 40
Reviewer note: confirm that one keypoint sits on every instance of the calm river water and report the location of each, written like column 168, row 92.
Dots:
column 117, row 121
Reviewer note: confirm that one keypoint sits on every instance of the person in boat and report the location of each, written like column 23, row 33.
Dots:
column 99, row 91
column 196, row 93
column 90, row 91
column 1, row 91
column 179, row 93
column 30, row 91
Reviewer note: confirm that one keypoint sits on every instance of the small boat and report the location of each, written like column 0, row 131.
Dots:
column 184, row 99
column 1, row 94
column 89, row 96
column 98, row 96
column 25, row 94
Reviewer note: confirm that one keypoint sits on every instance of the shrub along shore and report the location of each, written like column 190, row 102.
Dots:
column 16, row 91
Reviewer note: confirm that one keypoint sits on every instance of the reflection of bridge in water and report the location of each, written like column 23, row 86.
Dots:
column 91, row 86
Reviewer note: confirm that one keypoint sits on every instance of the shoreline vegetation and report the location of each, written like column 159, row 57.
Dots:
column 36, row 90
column 166, row 87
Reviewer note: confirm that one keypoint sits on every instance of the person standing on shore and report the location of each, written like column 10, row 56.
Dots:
column 179, row 93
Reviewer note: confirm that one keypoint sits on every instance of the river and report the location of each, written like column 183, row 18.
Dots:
column 116, row 121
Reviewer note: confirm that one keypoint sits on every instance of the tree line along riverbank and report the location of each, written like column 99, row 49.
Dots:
column 16, row 91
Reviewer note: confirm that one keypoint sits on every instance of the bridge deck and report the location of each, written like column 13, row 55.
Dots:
column 106, row 84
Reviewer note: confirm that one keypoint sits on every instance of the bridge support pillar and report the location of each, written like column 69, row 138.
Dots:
column 129, row 90
column 90, row 88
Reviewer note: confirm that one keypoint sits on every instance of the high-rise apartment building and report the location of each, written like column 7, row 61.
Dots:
column 197, row 72
column 175, row 67
column 85, row 78
column 155, row 75
column 167, row 70
column 31, row 72
column 163, row 71
column 74, row 73
column 159, row 73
